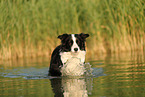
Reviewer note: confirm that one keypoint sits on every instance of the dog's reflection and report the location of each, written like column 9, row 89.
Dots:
column 71, row 87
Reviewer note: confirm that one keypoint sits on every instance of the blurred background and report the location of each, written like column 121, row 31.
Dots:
column 29, row 28
column 115, row 48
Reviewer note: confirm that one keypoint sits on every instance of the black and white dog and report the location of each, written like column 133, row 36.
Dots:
column 72, row 45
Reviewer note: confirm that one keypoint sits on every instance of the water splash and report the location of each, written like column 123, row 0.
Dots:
column 74, row 67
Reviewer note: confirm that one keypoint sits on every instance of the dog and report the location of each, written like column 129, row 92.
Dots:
column 72, row 45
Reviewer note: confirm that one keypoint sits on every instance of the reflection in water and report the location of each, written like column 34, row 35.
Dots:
column 71, row 87
column 56, row 87
column 74, row 88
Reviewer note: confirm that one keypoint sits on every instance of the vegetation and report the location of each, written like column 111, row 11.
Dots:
column 31, row 27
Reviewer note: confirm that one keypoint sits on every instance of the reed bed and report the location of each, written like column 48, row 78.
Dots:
column 29, row 28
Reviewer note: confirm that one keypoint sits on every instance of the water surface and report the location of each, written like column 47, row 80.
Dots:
column 120, row 75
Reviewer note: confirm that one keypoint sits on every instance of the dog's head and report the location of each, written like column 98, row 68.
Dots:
column 73, row 42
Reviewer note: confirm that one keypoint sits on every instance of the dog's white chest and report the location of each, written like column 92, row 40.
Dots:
column 68, row 55
column 73, row 63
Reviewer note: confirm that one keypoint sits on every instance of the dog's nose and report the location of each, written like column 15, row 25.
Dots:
column 75, row 49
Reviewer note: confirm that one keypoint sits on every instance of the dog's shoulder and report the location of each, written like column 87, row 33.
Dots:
column 55, row 55
column 56, row 50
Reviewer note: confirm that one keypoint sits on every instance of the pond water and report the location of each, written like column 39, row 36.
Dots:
column 113, row 76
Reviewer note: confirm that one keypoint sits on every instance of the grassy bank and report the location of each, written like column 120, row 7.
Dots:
column 30, row 27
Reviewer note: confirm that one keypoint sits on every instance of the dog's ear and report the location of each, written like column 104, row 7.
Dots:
column 63, row 36
column 84, row 36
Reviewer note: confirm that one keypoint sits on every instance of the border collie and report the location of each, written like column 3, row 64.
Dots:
column 72, row 45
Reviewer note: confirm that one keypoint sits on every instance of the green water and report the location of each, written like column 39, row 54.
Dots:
column 113, row 76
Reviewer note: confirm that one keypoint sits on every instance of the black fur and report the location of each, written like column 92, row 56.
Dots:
column 55, row 63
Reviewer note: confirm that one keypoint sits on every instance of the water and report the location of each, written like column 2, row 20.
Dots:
column 113, row 76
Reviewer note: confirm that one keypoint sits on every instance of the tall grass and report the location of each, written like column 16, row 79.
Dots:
column 31, row 27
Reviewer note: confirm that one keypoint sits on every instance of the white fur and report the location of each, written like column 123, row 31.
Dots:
column 73, row 67
column 73, row 63
column 74, row 44
column 68, row 55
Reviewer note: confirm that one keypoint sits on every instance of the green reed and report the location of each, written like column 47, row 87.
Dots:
column 31, row 27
